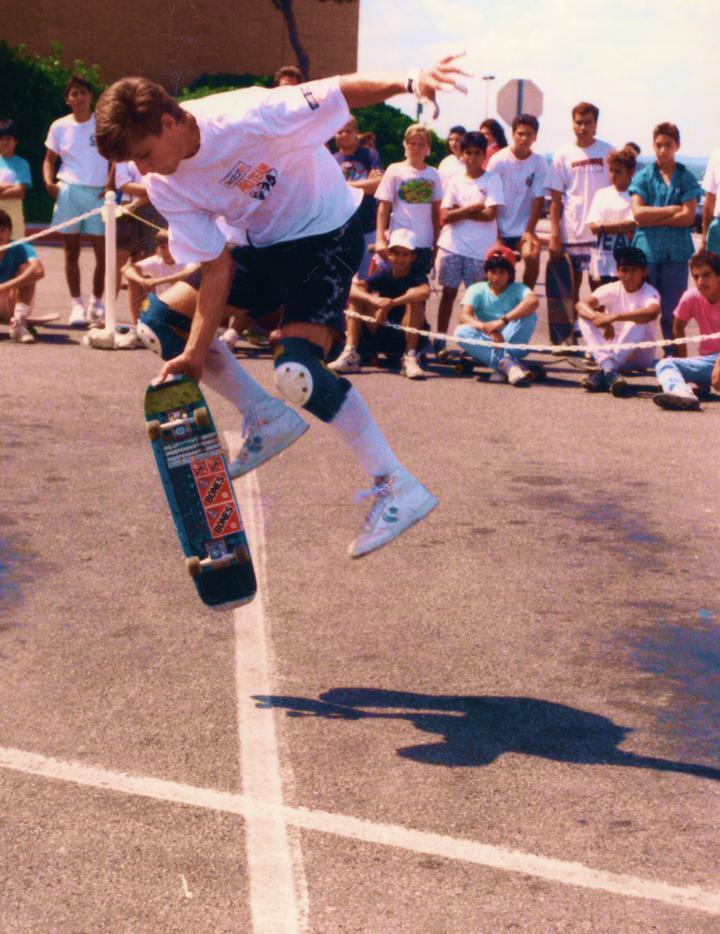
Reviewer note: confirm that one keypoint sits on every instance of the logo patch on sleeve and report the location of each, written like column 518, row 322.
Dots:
column 309, row 97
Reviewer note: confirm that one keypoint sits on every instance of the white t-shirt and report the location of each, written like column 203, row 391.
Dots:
column 155, row 268
column 616, row 300
column 471, row 237
column 523, row 180
column 127, row 173
column 411, row 193
column 262, row 169
column 75, row 143
column 578, row 173
column 608, row 206
column 450, row 166
column 711, row 179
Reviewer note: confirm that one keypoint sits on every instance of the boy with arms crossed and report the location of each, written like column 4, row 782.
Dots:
column 622, row 311
column 523, row 174
column 610, row 217
column 255, row 160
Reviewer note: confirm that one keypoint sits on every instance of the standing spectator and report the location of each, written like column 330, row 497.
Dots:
column 20, row 269
column 711, row 205
column 493, row 132
column 523, row 174
column 610, row 216
column 287, row 74
column 78, row 189
column 14, row 187
column 620, row 312
column 469, row 215
column 453, row 163
column 664, row 199
column 578, row 170
column 703, row 304
column 135, row 239
column 500, row 310
column 362, row 170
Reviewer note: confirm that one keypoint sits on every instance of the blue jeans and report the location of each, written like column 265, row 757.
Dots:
column 519, row 331
column 671, row 280
column 675, row 371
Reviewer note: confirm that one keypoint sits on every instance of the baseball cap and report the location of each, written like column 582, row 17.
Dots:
column 630, row 256
column 403, row 238
column 501, row 252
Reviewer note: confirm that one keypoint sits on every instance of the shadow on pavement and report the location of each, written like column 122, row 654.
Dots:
column 475, row 731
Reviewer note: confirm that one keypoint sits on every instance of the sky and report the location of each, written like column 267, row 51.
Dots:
column 640, row 62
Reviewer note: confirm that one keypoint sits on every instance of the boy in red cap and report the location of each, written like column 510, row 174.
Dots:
column 499, row 310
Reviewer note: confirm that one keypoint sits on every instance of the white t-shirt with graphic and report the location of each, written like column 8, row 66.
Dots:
column 75, row 143
column 609, row 206
column 262, row 169
column 523, row 181
column 711, row 179
column 449, row 166
column 471, row 237
column 578, row 173
column 411, row 193
column 615, row 299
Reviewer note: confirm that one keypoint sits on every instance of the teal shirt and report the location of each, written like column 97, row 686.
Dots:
column 20, row 167
column 665, row 244
column 488, row 306
column 13, row 258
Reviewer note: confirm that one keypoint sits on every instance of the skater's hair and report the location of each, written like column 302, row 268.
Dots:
column 417, row 129
column 584, row 108
column 473, row 138
column 128, row 111
column 288, row 71
column 526, row 120
column 701, row 258
column 625, row 158
column 5, row 220
column 77, row 81
column 667, row 129
column 496, row 128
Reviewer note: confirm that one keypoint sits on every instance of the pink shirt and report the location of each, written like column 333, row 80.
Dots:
column 693, row 305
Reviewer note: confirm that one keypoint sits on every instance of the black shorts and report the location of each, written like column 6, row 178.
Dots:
column 310, row 278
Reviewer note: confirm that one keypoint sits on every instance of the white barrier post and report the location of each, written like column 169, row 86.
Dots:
column 110, row 261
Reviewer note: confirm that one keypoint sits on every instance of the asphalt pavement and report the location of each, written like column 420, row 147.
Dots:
column 507, row 720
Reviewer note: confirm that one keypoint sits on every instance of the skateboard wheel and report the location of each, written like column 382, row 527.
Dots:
column 154, row 430
column 201, row 417
column 241, row 554
column 193, row 566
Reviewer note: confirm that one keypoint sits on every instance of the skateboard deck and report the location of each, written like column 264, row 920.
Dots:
column 559, row 292
column 463, row 364
column 38, row 319
column 199, row 492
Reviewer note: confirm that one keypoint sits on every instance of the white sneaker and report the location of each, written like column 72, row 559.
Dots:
column 411, row 368
column 128, row 340
column 400, row 501
column 516, row 375
column 497, row 376
column 230, row 337
column 96, row 312
column 20, row 332
column 347, row 362
column 77, row 316
column 267, row 430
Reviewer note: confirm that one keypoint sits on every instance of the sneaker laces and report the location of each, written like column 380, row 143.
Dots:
column 380, row 491
column 251, row 424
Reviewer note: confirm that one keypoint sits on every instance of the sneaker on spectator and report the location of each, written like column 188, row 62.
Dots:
column 681, row 399
column 347, row 362
column 411, row 368
column 230, row 337
column 267, row 430
column 594, row 382
column 400, row 502
column 95, row 312
column 516, row 375
column 77, row 315
column 20, row 332
column 617, row 385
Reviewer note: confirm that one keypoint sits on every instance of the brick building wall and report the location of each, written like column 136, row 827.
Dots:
column 173, row 41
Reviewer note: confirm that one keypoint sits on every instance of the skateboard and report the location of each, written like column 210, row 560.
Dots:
column 463, row 364
column 37, row 320
column 559, row 293
column 199, row 492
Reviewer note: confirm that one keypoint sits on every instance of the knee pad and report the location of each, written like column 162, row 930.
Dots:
column 161, row 329
column 303, row 379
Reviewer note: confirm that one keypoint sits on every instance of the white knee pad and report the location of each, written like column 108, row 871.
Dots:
column 149, row 338
column 294, row 381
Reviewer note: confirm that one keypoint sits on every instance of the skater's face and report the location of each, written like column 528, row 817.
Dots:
column 401, row 259
column 620, row 176
column 163, row 152
column 523, row 138
column 631, row 277
column 498, row 279
column 584, row 127
column 707, row 282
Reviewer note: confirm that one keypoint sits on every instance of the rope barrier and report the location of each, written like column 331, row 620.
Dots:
column 49, row 230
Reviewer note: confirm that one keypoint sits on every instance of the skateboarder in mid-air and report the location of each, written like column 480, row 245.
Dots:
column 250, row 167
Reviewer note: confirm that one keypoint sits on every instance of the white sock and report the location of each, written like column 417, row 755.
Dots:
column 358, row 429
column 224, row 374
column 77, row 299
column 21, row 311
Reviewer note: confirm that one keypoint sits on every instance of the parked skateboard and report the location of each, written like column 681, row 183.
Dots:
column 36, row 320
column 559, row 293
column 199, row 492
column 464, row 364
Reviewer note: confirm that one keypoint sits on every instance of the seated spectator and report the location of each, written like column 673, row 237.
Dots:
column 20, row 269
column 453, row 163
column 610, row 217
column 16, row 178
column 703, row 304
column 153, row 274
column 620, row 312
column 500, row 310
column 493, row 132
column 395, row 295
column 287, row 74
column 135, row 239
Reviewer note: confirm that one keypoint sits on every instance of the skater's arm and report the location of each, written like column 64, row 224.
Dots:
column 361, row 90
column 31, row 271
column 678, row 330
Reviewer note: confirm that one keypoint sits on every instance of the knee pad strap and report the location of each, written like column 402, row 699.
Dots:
column 161, row 329
column 303, row 379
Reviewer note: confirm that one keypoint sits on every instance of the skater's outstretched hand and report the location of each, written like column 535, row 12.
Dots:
column 188, row 363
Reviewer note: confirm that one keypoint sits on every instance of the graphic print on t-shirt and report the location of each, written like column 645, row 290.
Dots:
column 416, row 191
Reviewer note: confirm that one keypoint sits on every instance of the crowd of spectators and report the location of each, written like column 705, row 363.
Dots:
column 472, row 222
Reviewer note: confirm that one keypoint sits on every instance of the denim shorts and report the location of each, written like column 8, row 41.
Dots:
column 73, row 200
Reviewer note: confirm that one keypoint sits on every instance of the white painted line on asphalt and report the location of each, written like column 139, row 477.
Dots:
column 274, row 865
column 345, row 826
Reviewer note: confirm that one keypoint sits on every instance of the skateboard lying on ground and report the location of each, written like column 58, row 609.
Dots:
column 199, row 492
column 35, row 321
column 460, row 362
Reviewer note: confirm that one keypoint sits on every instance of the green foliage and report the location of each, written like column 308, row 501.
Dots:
column 389, row 124
column 215, row 84
column 33, row 88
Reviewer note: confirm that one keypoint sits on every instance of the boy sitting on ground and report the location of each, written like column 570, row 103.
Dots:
column 20, row 269
column 621, row 312
column 498, row 311
column 394, row 295
column 703, row 304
